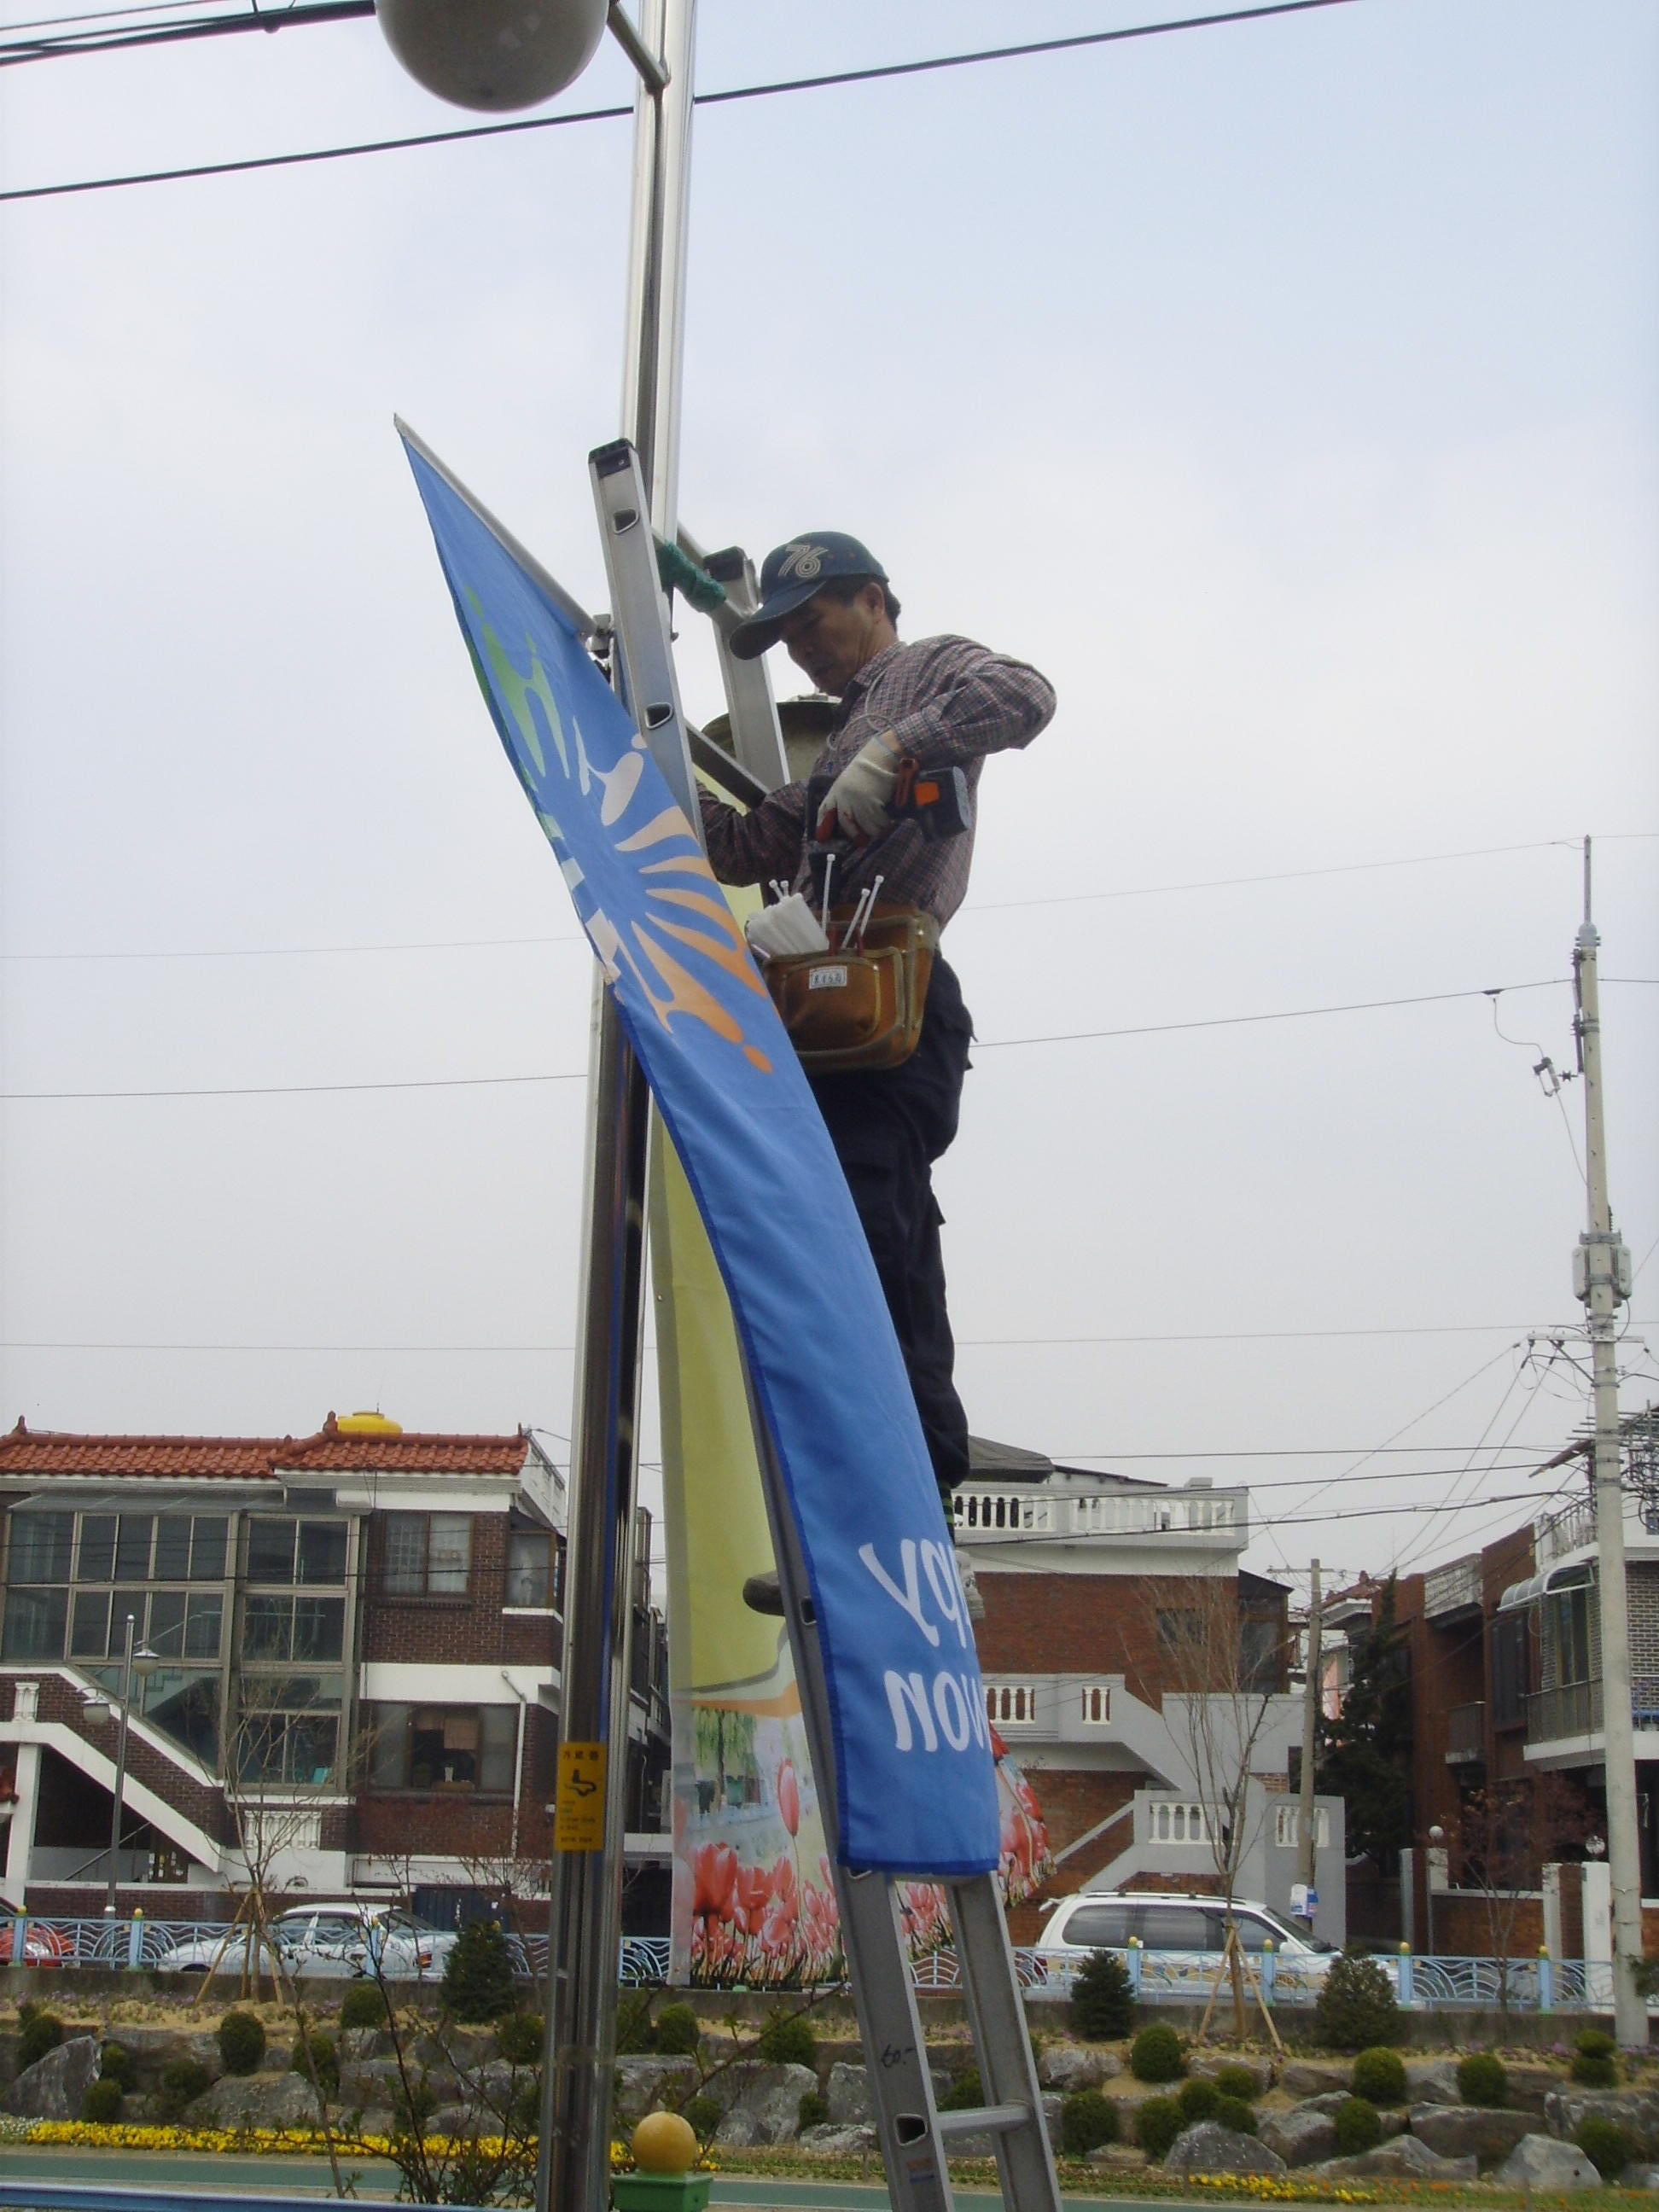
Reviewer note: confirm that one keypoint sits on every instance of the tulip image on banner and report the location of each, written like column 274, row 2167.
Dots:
column 915, row 1784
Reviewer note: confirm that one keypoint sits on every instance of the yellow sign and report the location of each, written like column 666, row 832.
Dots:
column 578, row 1806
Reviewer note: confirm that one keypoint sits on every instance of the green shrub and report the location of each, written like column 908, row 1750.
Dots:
column 1379, row 2076
column 115, row 2063
column 524, row 2110
column 1483, row 2079
column 518, row 2037
column 478, row 1982
column 1157, row 2123
column 1155, row 2055
column 324, row 2060
column 182, row 2080
column 1236, row 2082
column 241, row 2042
column 964, row 2093
column 1604, row 2144
column 677, row 2034
column 364, row 2005
column 786, row 2039
column 413, row 2105
column 42, row 2032
column 813, row 2109
column 1594, row 2064
column 1358, row 2127
column 703, row 2111
column 1196, row 2100
column 1086, row 2120
column 1235, row 2113
column 102, row 2101
column 1102, row 1998
column 1356, row 2009
column 635, row 2032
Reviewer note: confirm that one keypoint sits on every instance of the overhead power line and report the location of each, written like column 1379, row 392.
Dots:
column 984, row 1044
column 338, row 10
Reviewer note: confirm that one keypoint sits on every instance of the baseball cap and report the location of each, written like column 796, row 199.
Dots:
column 789, row 577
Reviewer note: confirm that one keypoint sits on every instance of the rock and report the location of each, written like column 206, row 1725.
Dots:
column 643, row 2084
column 1459, row 2130
column 1431, row 2081
column 257, row 2100
column 1300, row 2079
column 1635, row 2177
column 850, row 2092
column 1528, row 2087
column 1122, row 2156
column 838, row 2142
column 1299, row 2136
column 1636, row 2111
column 152, row 2048
column 1405, row 2159
column 769, row 2096
column 1540, row 2162
column 1071, row 2066
column 1212, row 2148
column 461, row 2122
column 738, row 2130
column 358, row 2044
column 378, row 2120
column 1208, row 2064
column 1328, row 2106
column 52, row 2089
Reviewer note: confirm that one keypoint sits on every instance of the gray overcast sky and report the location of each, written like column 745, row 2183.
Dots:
column 1284, row 391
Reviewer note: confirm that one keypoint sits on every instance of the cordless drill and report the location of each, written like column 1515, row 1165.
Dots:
column 937, row 799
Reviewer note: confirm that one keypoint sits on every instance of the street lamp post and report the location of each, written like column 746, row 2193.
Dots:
column 1436, row 1859
column 142, row 1662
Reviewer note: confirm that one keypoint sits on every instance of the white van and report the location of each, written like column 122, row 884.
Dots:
column 1110, row 1920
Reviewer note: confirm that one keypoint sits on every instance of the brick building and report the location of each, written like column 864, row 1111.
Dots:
column 349, row 1648
column 1503, row 1651
column 1133, row 1667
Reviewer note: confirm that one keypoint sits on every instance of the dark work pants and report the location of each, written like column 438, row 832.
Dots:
column 889, row 1125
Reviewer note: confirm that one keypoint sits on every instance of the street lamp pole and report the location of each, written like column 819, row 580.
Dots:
column 142, row 1662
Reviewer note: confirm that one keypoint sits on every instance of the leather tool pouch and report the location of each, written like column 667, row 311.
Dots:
column 858, row 1006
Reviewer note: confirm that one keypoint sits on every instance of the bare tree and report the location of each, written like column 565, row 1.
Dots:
column 1502, row 1836
column 1219, row 1684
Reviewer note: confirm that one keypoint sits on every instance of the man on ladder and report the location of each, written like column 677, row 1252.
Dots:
column 941, row 704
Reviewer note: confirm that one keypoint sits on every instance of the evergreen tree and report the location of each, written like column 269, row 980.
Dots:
column 478, row 1982
column 1364, row 1755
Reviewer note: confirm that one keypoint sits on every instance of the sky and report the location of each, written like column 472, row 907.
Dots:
column 1283, row 390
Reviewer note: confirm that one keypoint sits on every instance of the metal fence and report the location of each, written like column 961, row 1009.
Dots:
column 1530, row 1984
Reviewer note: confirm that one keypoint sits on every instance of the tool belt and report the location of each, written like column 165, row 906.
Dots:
column 858, row 1006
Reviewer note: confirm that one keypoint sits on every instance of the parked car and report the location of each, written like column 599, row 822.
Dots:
column 43, row 1946
column 1192, row 1926
column 325, row 1943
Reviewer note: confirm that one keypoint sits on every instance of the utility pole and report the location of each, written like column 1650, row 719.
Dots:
column 1310, row 1840
column 1601, row 1279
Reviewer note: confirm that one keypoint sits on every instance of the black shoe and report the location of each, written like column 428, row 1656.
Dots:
column 762, row 1593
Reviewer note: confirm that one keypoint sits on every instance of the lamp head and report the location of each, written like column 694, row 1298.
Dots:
column 1596, row 1846
column 493, row 55
column 145, row 1662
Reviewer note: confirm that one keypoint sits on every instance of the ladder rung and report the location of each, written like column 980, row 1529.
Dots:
column 982, row 2118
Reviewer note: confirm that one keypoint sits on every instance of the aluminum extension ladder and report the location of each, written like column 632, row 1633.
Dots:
column 915, row 2133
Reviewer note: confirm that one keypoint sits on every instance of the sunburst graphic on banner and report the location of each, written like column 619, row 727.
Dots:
column 679, row 921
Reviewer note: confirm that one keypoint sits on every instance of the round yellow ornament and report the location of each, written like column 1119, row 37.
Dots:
column 664, row 2143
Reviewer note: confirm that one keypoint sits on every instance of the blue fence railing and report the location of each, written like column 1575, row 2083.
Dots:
column 1534, row 1984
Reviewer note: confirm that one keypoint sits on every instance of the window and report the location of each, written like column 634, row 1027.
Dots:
column 1178, row 1928
column 1509, row 1669
column 41, row 1547
column 290, row 1730
column 529, row 1567
column 426, row 1555
column 181, row 1624
column 293, row 1628
column 1254, row 1934
column 290, row 1550
column 1179, row 1627
column 1102, row 1926
column 443, row 1746
column 34, row 1624
column 1568, row 1612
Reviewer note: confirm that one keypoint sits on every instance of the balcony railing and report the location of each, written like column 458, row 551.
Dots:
column 1110, row 1514
column 1575, row 1708
column 1465, row 1732
column 1566, row 1532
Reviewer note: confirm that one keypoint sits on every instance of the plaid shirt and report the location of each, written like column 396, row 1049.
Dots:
column 947, row 700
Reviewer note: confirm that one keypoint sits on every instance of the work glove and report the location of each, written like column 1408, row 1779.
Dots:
column 855, row 805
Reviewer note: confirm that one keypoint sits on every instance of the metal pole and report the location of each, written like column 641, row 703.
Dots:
column 120, row 1769
column 1602, row 1281
column 1308, row 1869
column 585, row 1901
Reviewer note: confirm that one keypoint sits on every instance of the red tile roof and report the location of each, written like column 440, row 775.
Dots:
column 26, row 1455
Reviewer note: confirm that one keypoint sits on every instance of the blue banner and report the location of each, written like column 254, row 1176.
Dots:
column 917, row 1789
